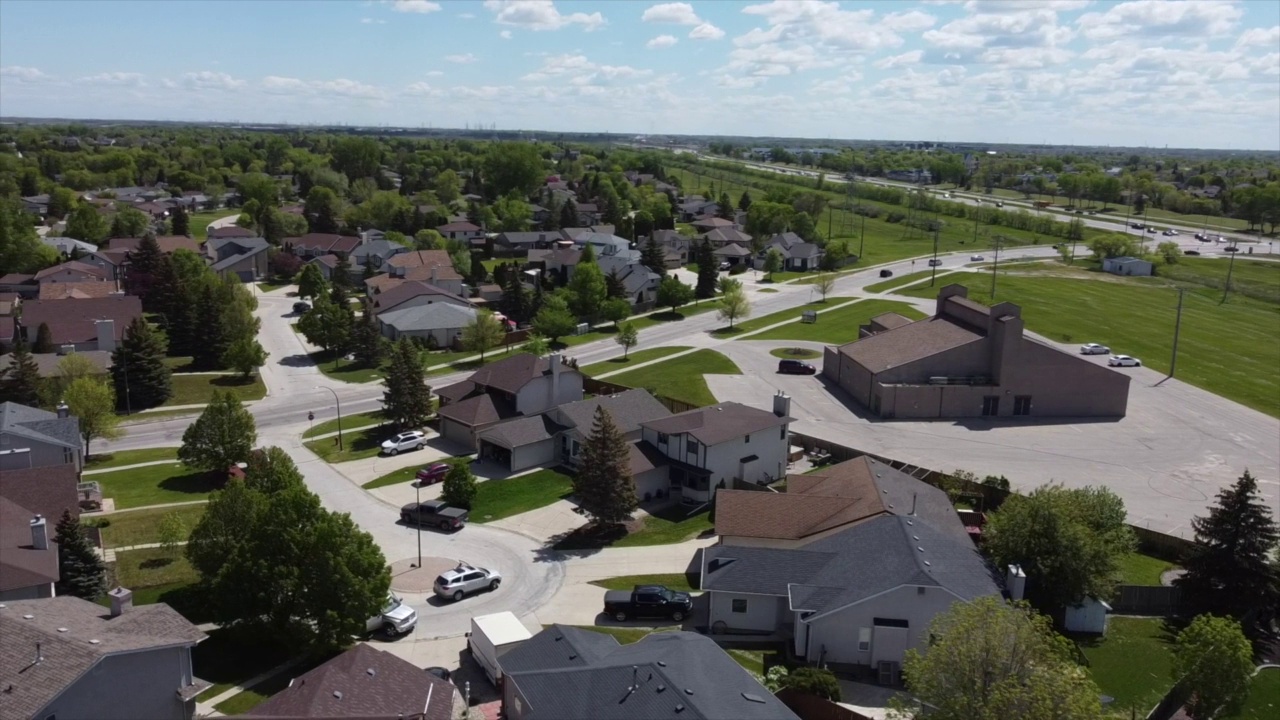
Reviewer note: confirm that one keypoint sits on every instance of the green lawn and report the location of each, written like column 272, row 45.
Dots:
column 497, row 499
column 356, row 445
column 153, row 567
column 1226, row 349
column 156, row 485
column 780, row 316
column 274, row 283
column 838, row 326
column 1258, row 279
column 199, row 222
column 635, row 358
column 348, row 422
column 767, row 290
column 229, row 657
column 339, row 369
column 107, row 461
column 672, row 524
column 140, row 527
column 198, row 389
column 795, row 353
column 392, row 478
column 681, row 378
column 1139, row 569
column 1131, row 663
column 1264, row 697
column 901, row 280
column 673, row 581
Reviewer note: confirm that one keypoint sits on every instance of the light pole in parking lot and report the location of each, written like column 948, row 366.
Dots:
column 995, row 264
column 339, row 404
column 417, row 515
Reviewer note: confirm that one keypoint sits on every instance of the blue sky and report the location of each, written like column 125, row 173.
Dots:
column 1189, row 73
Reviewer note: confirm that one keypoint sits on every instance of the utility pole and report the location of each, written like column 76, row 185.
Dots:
column 995, row 265
column 862, row 242
column 1177, row 328
column 933, row 264
column 1230, row 266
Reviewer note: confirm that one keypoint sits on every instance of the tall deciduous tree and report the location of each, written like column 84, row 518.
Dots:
column 554, row 320
column 311, row 283
column 245, row 356
column 20, row 382
column 20, row 248
column 129, row 222
column 992, row 661
column 327, row 325
column 85, row 223
column 707, row 273
column 825, row 284
column 604, row 486
column 81, row 572
column 514, row 167
column 407, row 398
column 587, row 291
column 222, row 436
column 772, row 262
column 138, row 373
column 615, row 310
column 483, row 333
column 627, row 337
column 734, row 305
column 1213, row 661
column 93, row 402
column 673, row 294
column 459, row 487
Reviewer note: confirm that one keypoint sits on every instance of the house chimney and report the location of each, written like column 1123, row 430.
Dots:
column 106, row 335
column 434, row 274
column 121, row 601
column 63, row 410
column 781, row 404
column 913, row 503
column 39, row 533
column 553, row 360
column 1015, row 580
column 66, row 349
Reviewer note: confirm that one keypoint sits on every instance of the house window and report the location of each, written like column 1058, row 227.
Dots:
column 782, row 433
column 990, row 405
column 739, row 605
column 691, row 446
column 662, row 439
column 67, row 455
column 864, row 639
column 1021, row 404
column 747, row 439
column 576, row 448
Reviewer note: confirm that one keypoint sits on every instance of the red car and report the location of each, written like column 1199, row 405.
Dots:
column 433, row 473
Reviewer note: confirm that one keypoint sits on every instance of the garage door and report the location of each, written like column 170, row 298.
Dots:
column 456, row 432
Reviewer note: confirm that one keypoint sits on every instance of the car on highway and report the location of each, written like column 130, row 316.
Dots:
column 395, row 618
column 1094, row 349
column 999, row 204
column 300, row 307
column 1202, row 237
column 1152, row 230
column 886, row 273
column 411, row 440
column 1190, row 252
column 795, row 367
column 1137, row 226
column 1123, row 361
column 432, row 473
column 976, row 258
column 464, row 580
column 934, row 262
column 1170, row 232
column 1231, row 248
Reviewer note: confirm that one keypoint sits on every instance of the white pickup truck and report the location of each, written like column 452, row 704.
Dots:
column 491, row 637
column 395, row 619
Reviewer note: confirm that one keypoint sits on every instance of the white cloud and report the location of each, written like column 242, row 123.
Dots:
column 824, row 24
column 734, row 82
column 122, row 79
column 467, row 16
column 582, row 72
column 1260, row 37
column 275, row 85
column 207, row 80
column 1157, row 18
column 23, row 74
column 415, row 6
column 462, row 59
column 341, row 87
column 505, row 34
column 909, row 21
column 434, row 73
column 907, row 58
column 835, row 86
column 676, row 13
column 372, row 21
column 706, row 31
column 540, row 15
column 662, row 41
column 422, row 89
column 1003, row 6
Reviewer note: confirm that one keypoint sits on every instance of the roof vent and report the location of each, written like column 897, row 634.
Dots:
column 926, row 562
column 921, row 549
column 662, row 688
column 573, row 656
column 27, row 617
column 752, row 697
column 370, row 672
column 337, row 694
column 679, row 707
column 662, row 663
column 62, row 629
column 95, row 642
column 688, row 691
column 915, row 537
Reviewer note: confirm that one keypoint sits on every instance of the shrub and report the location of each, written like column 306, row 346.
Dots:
column 895, row 217
column 737, row 269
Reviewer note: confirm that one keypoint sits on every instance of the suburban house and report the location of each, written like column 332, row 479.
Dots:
column 588, row 214
column 712, row 447
column 229, row 232
column 694, row 207
column 47, row 363
column 20, row 284
column 429, row 266
column 63, row 657
column 557, row 259
column 859, row 597
column 678, row 249
column 567, row 673
column 711, row 222
column 45, row 491
column 36, row 204
column 245, row 257
column 72, row 271
column 81, row 323
column 28, row 554
column 1128, row 266
column 797, row 255
column 461, row 231
column 969, row 360
column 414, row 293
column 76, row 290
column 439, row 324
column 111, row 262
column 8, row 330
column 556, row 437
column 640, row 282
column 167, row 244
column 34, row 438
column 724, row 235
column 520, row 243
column 374, row 253
column 522, row 384
column 314, row 245
column 67, row 245
column 367, row 683
column 733, row 253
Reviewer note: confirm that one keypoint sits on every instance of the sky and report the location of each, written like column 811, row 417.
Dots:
column 1184, row 73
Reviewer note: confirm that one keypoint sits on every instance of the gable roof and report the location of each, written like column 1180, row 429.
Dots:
column 433, row 316
column 511, row 374
column 78, row 290
column 39, row 425
column 326, row 242
column 73, row 320
column 458, row 227
column 715, row 424
column 363, row 682
column 388, row 299
column 420, row 258
column 643, row 457
column 522, row 431
column 48, row 490
column 47, row 363
column 167, row 243
column 382, row 248
column 229, row 231
column 65, row 245
column 70, row 266
column 726, row 235
column 65, row 627
column 21, row 564
column 628, row 409
column 481, row 409
column 713, row 222
column 908, row 343
column 732, row 250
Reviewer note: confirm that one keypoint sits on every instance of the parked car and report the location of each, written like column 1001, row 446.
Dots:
column 411, row 440
column 301, row 307
column 934, row 262
column 464, row 580
column 436, row 513
column 724, row 265
column 442, row 673
column 976, row 258
column 886, row 273
column 795, row 367
column 647, row 601
column 432, row 473
column 394, row 619
column 1124, row 361
column 1094, row 349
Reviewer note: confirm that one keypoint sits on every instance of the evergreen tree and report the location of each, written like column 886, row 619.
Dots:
column 744, row 202
column 20, row 382
column 588, row 255
column 369, row 270
column 341, row 275
column 724, row 207
column 569, row 214
column 144, row 264
column 222, row 436
column 311, row 283
column 653, row 257
column 81, row 572
column 552, row 221
column 459, row 487
column 181, row 221
column 604, row 486
column 44, row 340
column 707, row 273
column 515, row 299
column 366, row 339
column 1229, row 572
column 613, row 285
column 214, row 333
column 138, row 372
column 407, row 399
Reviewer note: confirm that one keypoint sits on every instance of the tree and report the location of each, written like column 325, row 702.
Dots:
column 1112, row 245
column 673, row 294
column 328, row 325
column 1229, row 570
column 744, row 202
column 587, row 291
column 513, row 213
column 341, row 275
column 93, row 403
column 483, row 333
column 244, row 356
column 1068, row 541
column 44, row 340
column 1169, row 252
column 81, row 572
column 724, row 207
column 569, row 214
column 772, row 262
column 536, row 345
column 172, row 533
column 323, row 210
column 357, row 157
column 991, row 661
column 813, row 681
column 615, row 310
column 20, row 382
column 144, row 265
column 445, row 186
column 514, row 167
column 181, row 222
column 85, row 223
column 271, row 470
column 407, row 398
column 614, row 287
column 707, row 272
column 734, row 305
column 654, row 257
column 1213, row 661
column 311, row 283
column 515, row 299
column 427, row 239
column 605, row 489
column 627, row 337
column 554, row 320
column 825, row 284
column 20, row 248
column 459, row 487
column 138, row 373
column 366, row 340
column 129, row 222
column 222, row 436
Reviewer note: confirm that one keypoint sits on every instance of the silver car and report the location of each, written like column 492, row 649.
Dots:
column 1094, row 349
column 464, row 580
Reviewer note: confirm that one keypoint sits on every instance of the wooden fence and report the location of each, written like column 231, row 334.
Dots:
column 812, row 707
column 1154, row 600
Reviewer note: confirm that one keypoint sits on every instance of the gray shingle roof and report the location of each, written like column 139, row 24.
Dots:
column 21, row 564
column 628, row 409
column 520, row 432
column 717, row 423
column 433, row 316
column 39, row 425
column 908, row 343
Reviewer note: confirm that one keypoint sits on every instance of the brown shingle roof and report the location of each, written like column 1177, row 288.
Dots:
column 408, row 290
column 717, row 423
column 643, row 457
column 381, row 283
column 70, row 266
column 511, row 374
column 890, row 320
column 231, row 231
column 47, row 363
column 419, row 258
column 46, row 490
column 72, row 320
column 16, row 279
column 479, row 410
column 908, row 343
column 456, row 391
column 167, row 243
column 458, row 227
column 21, row 564
column 328, row 242
column 76, row 290
column 363, row 682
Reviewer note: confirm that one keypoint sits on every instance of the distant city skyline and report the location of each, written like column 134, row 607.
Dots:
column 1144, row 73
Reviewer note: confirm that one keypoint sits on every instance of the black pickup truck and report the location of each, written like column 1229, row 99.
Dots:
column 434, row 512
column 647, row 601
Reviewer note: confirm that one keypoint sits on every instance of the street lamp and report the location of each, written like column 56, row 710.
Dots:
column 417, row 499
column 339, row 404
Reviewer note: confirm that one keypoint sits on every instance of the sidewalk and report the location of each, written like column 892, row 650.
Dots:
column 131, row 467
column 109, row 554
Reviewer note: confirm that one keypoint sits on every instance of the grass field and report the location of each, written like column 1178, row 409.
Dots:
column 348, row 422
column 672, row 581
column 671, row 524
column 1226, row 349
column 497, row 499
column 356, row 445
column 198, row 389
column 640, row 323
column 1264, row 697
column 199, row 222
column 140, row 527
column 743, row 326
column 156, row 485
column 897, row 282
column 681, row 378
column 393, row 478
column 120, row 458
column 1131, row 663
column 838, row 326
column 1139, row 569
column 635, row 358
column 153, row 567
column 795, row 353
column 1257, row 279
column 340, row 369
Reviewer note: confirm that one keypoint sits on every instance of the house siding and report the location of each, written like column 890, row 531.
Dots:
column 39, row 454
column 838, row 633
column 649, row 484
column 762, row 612
column 129, row 686
column 31, row 592
column 528, row 456
column 543, row 393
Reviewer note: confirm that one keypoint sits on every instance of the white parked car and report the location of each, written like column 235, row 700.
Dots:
column 1094, row 349
column 464, row 580
column 412, row 440
column 1123, row 361
column 394, row 619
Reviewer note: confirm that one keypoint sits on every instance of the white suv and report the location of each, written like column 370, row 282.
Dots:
column 394, row 619
column 464, row 580
column 412, row 440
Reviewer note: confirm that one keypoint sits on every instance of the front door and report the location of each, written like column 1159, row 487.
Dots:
column 991, row 405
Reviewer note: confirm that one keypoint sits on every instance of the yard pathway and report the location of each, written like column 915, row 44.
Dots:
column 145, row 507
column 130, row 467
column 109, row 554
